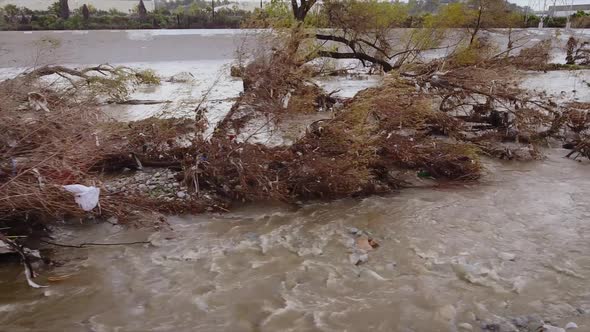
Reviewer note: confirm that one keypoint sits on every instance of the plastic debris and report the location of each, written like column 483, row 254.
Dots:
column 86, row 197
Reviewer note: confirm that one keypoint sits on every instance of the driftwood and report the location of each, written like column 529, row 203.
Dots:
column 139, row 102
column 29, row 272
column 133, row 161
column 580, row 148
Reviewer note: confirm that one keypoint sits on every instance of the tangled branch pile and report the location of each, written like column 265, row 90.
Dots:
column 432, row 119
column 54, row 135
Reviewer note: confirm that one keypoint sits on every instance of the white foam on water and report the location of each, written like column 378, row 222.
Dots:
column 151, row 34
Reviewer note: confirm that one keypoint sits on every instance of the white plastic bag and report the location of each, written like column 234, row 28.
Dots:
column 86, row 197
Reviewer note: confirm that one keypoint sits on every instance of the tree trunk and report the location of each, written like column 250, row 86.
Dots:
column 64, row 9
column 477, row 25
column 300, row 10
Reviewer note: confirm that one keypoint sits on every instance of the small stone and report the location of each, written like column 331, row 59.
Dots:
column 170, row 176
column 142, row 187
column 358, row 258
column 495, row 327
column 571, row 326
column 152, row 187
column 506, row 256
column 551, row 328
column 499, row 326
column 391, row 266
column 367, row 273
column 465, row 327
column 183, row 77
column 353, row 230
column 181, row 194
column 157, row 175
column 520, row 321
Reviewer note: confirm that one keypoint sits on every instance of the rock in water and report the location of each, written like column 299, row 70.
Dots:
column 357, row 258
column 506, row 256
column 571, row 326
column 465, row 327
column 371, row 274
column 551, row 328
column 183, row 77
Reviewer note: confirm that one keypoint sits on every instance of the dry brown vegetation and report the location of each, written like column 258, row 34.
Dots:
column 578, row 53
column 433, row 118
column 57, row 135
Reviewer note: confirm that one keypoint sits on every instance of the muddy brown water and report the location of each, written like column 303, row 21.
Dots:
column 511, row 249
column 514, row 246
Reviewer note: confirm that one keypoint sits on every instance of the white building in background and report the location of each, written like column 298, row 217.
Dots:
column 567, row 10
column 124, row 6
column 248, row 6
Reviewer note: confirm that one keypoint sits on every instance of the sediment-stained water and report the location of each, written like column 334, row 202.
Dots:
column 509, row 251
column 501, row 254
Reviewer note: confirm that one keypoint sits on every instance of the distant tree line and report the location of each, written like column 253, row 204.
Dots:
column 418, row 13
column 174, row 15
column 199, row 14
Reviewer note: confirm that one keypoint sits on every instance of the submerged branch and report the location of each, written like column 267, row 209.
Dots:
column 93, row 244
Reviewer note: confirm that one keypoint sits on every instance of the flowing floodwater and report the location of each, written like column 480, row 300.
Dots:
column 511, row 249
column 501, row 254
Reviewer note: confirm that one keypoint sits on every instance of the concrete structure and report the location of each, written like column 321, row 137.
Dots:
column 248, row 6
column 567, row 10
column 124, row 6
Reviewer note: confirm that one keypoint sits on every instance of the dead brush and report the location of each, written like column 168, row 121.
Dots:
column 577, row 53
column 276, row 83
column 43, row 150
column 244, row 172
column 535, row 57
column 54, row 139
